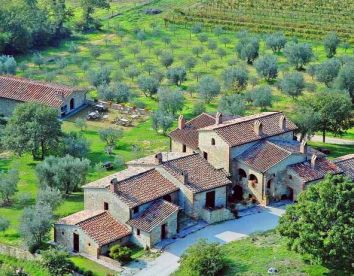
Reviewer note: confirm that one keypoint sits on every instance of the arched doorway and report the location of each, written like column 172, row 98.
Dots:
column 238, row 193
column 72, row 104
column 269, row 184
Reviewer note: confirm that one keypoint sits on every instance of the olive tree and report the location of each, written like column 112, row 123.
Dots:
column 327, row 71
column 234, row 104
column 298, row 54
column 275, row 41
column 267, row 67
column 208, row 88
column 293, row 84
column 235, row 78
column 330, row 43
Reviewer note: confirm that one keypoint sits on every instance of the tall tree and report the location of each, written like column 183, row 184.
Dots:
column 327, row 71
column 298, row 54
column 64, row 173
column 170, row 101
column 33, row 128
column 88, row 8
column 208, row 88
column 330, row 44
column 8, row 185
column 321, row 223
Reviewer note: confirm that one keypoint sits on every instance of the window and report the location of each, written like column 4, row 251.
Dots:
column 167, row 198
column 213, row 141
column 253, row 178
column 138, row 232
column 184, row 148
column 136, row 210
column 62, row 233
column 269, row 183
column 89, row 244
column 290, row 177
column 205, row 155
column 105, row 206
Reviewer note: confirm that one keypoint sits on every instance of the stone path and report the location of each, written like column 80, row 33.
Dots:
column 256, row 219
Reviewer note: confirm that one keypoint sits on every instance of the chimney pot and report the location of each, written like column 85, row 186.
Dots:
column 303, row 147
column 258, row 128
column 113, row 185
column 185, row 177
column 158, row 158
column 218, row 118
column 282, row 122
column 181, row 122
column 313, row 161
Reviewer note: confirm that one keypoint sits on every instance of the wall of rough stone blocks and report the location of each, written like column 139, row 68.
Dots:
column 216, row 215
column 218, row 154
column 148, row 240
column 64, row 237
column 94, row 199
column 18, row 253
column 79, row 100
column 178, row 147
column 7, row 106
column 200, row 198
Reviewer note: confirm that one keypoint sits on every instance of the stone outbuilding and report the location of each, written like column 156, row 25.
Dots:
column 16, row 90
column 90, row 231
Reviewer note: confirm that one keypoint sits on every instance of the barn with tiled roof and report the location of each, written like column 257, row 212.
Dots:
column 15, row 90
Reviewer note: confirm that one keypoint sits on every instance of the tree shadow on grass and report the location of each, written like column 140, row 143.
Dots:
column 234, row 268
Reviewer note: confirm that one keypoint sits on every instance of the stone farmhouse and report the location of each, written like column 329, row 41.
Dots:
column 216, row 162
column 15, row 90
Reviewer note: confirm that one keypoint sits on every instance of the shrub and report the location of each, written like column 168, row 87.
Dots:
column 120, row 253
column 203, row 258
column 57, row 262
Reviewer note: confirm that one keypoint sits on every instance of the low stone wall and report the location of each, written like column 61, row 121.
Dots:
column 216, row 215
column 18, row 253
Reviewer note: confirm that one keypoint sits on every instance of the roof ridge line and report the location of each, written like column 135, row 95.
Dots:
column 230, row 123
column 102, row 211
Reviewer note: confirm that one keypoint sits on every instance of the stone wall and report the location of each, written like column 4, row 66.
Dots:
column 148, row 240
column 79, row 100
column 216, row 215
column 218, row 154
column 94, row 199
column 18, row 253
column 178, row 147
column 200, row 198
column 7, row 106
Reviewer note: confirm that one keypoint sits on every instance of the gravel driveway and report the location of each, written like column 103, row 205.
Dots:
column 224, row 232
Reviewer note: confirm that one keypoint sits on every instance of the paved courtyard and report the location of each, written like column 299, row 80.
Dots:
column 264, row 219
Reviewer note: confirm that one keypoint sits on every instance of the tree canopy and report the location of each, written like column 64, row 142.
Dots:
column 33, row 128
column 321, row 223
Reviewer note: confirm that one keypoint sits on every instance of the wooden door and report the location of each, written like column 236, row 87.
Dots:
column 163, row 231
column 210, row 199
column 76, row 243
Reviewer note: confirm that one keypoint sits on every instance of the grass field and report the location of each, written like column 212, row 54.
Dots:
column 256, row 254
column 32, row 268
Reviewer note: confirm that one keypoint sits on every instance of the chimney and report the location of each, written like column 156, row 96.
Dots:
column 181, row 122
column 303, row 147
column 313, row 161
column 282, row 122
column 185, row 177
column 258, row 128
column 113, row 185
column 158, row 159
column 218, row 118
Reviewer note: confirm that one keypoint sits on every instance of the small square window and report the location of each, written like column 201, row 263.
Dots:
column 105, row 206
column 184, row 148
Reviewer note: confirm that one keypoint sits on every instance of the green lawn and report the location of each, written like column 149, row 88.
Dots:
column 253, row 256
column 335, row 150
column 256, row 254
column 32, row 268
column 86, row 264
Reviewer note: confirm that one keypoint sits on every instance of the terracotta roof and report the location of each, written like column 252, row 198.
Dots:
column 154, row 216
column 25, row 90
column 143, row 188
column 294, row 147
column 322, row 167
column 189, row 134
column 150, row 161
column 104, row 229
column 79, row 217
column 241, row 131
column 346, row 163
column 122, row 175
column 201, row 175
column 263, row 155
